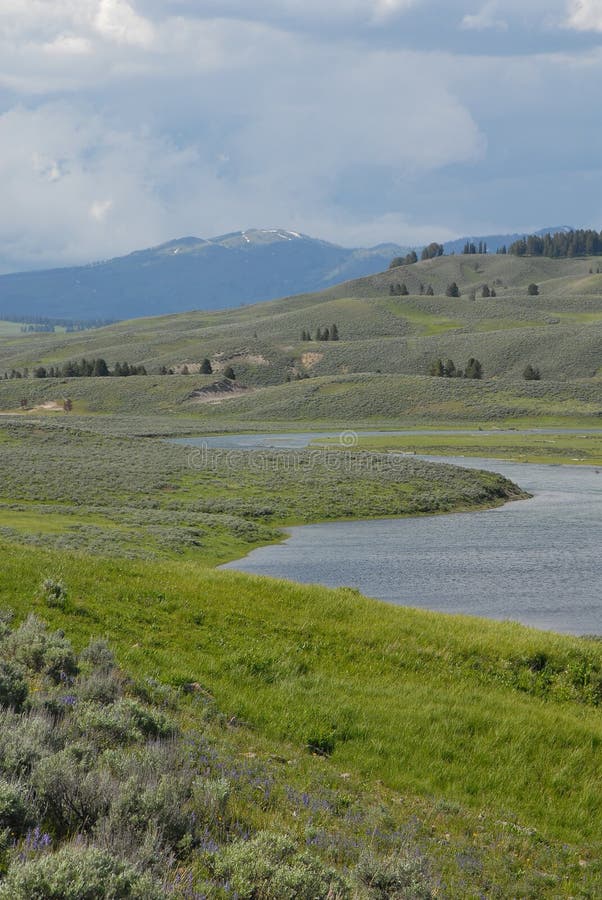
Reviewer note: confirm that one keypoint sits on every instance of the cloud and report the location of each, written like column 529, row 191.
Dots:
column 484, row 19
column 116, row 20
column 585, row 15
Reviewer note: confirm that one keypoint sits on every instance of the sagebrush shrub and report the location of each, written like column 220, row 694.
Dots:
column 269, row 866
column 15, row 811
column 396, row 877
column 13, row 687
column 54, row 592
column 78, row 873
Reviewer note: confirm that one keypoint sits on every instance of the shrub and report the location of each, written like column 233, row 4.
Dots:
column 123, row 722
column 77, row 873
column 530, row 373
column 54, row 593
column 71, row 796
column 396, row 877
column 41, row 650
column 24, row 739
column 14, row 811
column 269, row 866
column 13, row 687
column 97, row 655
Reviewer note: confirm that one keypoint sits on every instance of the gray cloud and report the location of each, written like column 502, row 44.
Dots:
column 125, row 123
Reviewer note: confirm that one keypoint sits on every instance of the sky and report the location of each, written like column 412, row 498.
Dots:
column 126, row 123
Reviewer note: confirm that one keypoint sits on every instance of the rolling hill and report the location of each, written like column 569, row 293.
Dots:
column 560, row 330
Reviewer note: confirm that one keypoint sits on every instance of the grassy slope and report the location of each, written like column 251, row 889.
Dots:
column 559, row 331
column 493, row 716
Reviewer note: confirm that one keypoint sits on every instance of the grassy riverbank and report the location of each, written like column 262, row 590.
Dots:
column 141, row 497
column 553, row 448
column 486, row 736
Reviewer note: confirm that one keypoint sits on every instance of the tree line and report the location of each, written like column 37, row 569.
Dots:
column 88, row 368
column 582, row 242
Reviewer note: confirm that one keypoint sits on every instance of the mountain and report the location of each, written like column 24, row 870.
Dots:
column 191, row 273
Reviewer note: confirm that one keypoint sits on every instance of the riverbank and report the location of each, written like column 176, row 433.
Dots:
column 467, row 711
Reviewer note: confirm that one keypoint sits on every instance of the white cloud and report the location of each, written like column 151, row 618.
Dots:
column 100, row 210
column 116, row 20
column 585, row 15
column 484, row 19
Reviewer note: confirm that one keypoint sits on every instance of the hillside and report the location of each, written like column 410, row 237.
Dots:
column 559, row 331
column 190, row 273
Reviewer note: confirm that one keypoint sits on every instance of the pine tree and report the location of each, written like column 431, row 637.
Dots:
column 474, row 369
column 485, row 292
column 437, row 368
column 334, row 333
column 229, row 373
column 403, row 290
column 429, row 291
column 533, row 290
column 206, row 368
column 452, row 290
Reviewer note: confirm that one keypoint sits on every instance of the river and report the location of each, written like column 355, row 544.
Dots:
column 535, row 561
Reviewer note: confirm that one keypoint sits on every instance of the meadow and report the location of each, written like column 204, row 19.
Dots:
column 142, row 497
column 467, row 747
column 353, row 747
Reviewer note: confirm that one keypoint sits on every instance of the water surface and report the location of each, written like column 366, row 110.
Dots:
column 535, row 561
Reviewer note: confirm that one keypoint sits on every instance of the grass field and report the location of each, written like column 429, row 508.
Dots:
column 483, row 738
column 476, row 744
column 567, row 449
column 144, row 497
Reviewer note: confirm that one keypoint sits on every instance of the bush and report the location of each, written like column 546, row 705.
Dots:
column 397, row 877
column 54, row 593
column 123, row 722
column 14, row 811
column 13, row 687
column 530, row 373
column 97, row 655
column 77, row 873
column 41, row 650
column 269, row 866
column 24, row 739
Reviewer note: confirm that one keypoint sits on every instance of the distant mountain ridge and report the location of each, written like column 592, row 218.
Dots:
column 188, row 273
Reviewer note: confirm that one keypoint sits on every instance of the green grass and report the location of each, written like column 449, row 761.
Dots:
column 558, row 330
column 585, row 449
column 146, row 497
column 475, row 711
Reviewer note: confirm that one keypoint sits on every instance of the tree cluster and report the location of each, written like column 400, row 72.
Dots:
column 398, row 290
column 582, row 242
column 448, row 369
column 452, row 290
column 470, row 248
column 486, row 291
column 88, row 368
column 407, row 260
column 322, row 334
column 433, row 250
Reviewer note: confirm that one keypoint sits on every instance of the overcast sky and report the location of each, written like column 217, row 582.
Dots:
column 124, row 123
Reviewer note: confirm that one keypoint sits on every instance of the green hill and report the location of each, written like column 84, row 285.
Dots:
column 559, row 331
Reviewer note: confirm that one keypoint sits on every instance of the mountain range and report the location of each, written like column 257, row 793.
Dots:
column 193, row 273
